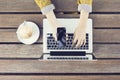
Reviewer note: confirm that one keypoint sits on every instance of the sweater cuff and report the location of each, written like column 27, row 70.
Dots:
column 47, row 8
column 85, row 7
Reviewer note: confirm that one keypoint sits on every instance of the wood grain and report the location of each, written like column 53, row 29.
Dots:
column 41, row 66
column 30, row 6
column 14, row 20
column 99, row 20
column 54, row 77
column 106, row 35
column 106, row 51
column 20, row 51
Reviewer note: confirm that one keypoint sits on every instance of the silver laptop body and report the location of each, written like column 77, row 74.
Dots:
column 51, row 52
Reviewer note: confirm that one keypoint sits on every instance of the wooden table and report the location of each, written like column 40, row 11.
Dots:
column 22, row 62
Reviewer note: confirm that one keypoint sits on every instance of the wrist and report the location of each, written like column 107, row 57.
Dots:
column 82, row 25
column 84, row 15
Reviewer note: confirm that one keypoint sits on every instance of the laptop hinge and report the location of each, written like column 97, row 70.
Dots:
column 70, row 53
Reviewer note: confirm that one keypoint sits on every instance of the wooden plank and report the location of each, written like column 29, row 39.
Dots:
column 30, row 6
column 106, row 50
column 14, row 20
column 9, row 35
column 99, row 20
column 106, row 20
column 36, row 51
column 100, row 35
column 55, row 77
column 20, row 51
column 41, row 66
column 106, row 35
column 106, row 6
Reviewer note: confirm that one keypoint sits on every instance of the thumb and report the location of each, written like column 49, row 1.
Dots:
column 55, row 36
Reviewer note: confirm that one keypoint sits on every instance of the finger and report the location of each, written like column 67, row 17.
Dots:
column 55, row 37
column 81, row 43
column 66, row 36
column 74, row 36
column 78, row 43
column 74, row 42
column 84, row 43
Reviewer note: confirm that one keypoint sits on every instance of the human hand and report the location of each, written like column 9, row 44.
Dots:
column 79, row 38
column 80, row 32
column 54, row 33
column 53, row 22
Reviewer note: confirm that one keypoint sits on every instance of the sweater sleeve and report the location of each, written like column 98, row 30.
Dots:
column 45, row 5
column 85, row 5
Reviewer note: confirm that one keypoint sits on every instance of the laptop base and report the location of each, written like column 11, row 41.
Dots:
column 49, row 57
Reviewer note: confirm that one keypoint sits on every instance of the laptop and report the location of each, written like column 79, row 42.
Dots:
column 52, row 50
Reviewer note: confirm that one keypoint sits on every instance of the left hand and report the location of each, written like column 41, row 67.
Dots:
column 79, row 35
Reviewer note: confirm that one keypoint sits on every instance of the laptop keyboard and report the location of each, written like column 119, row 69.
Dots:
column 54, row 45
